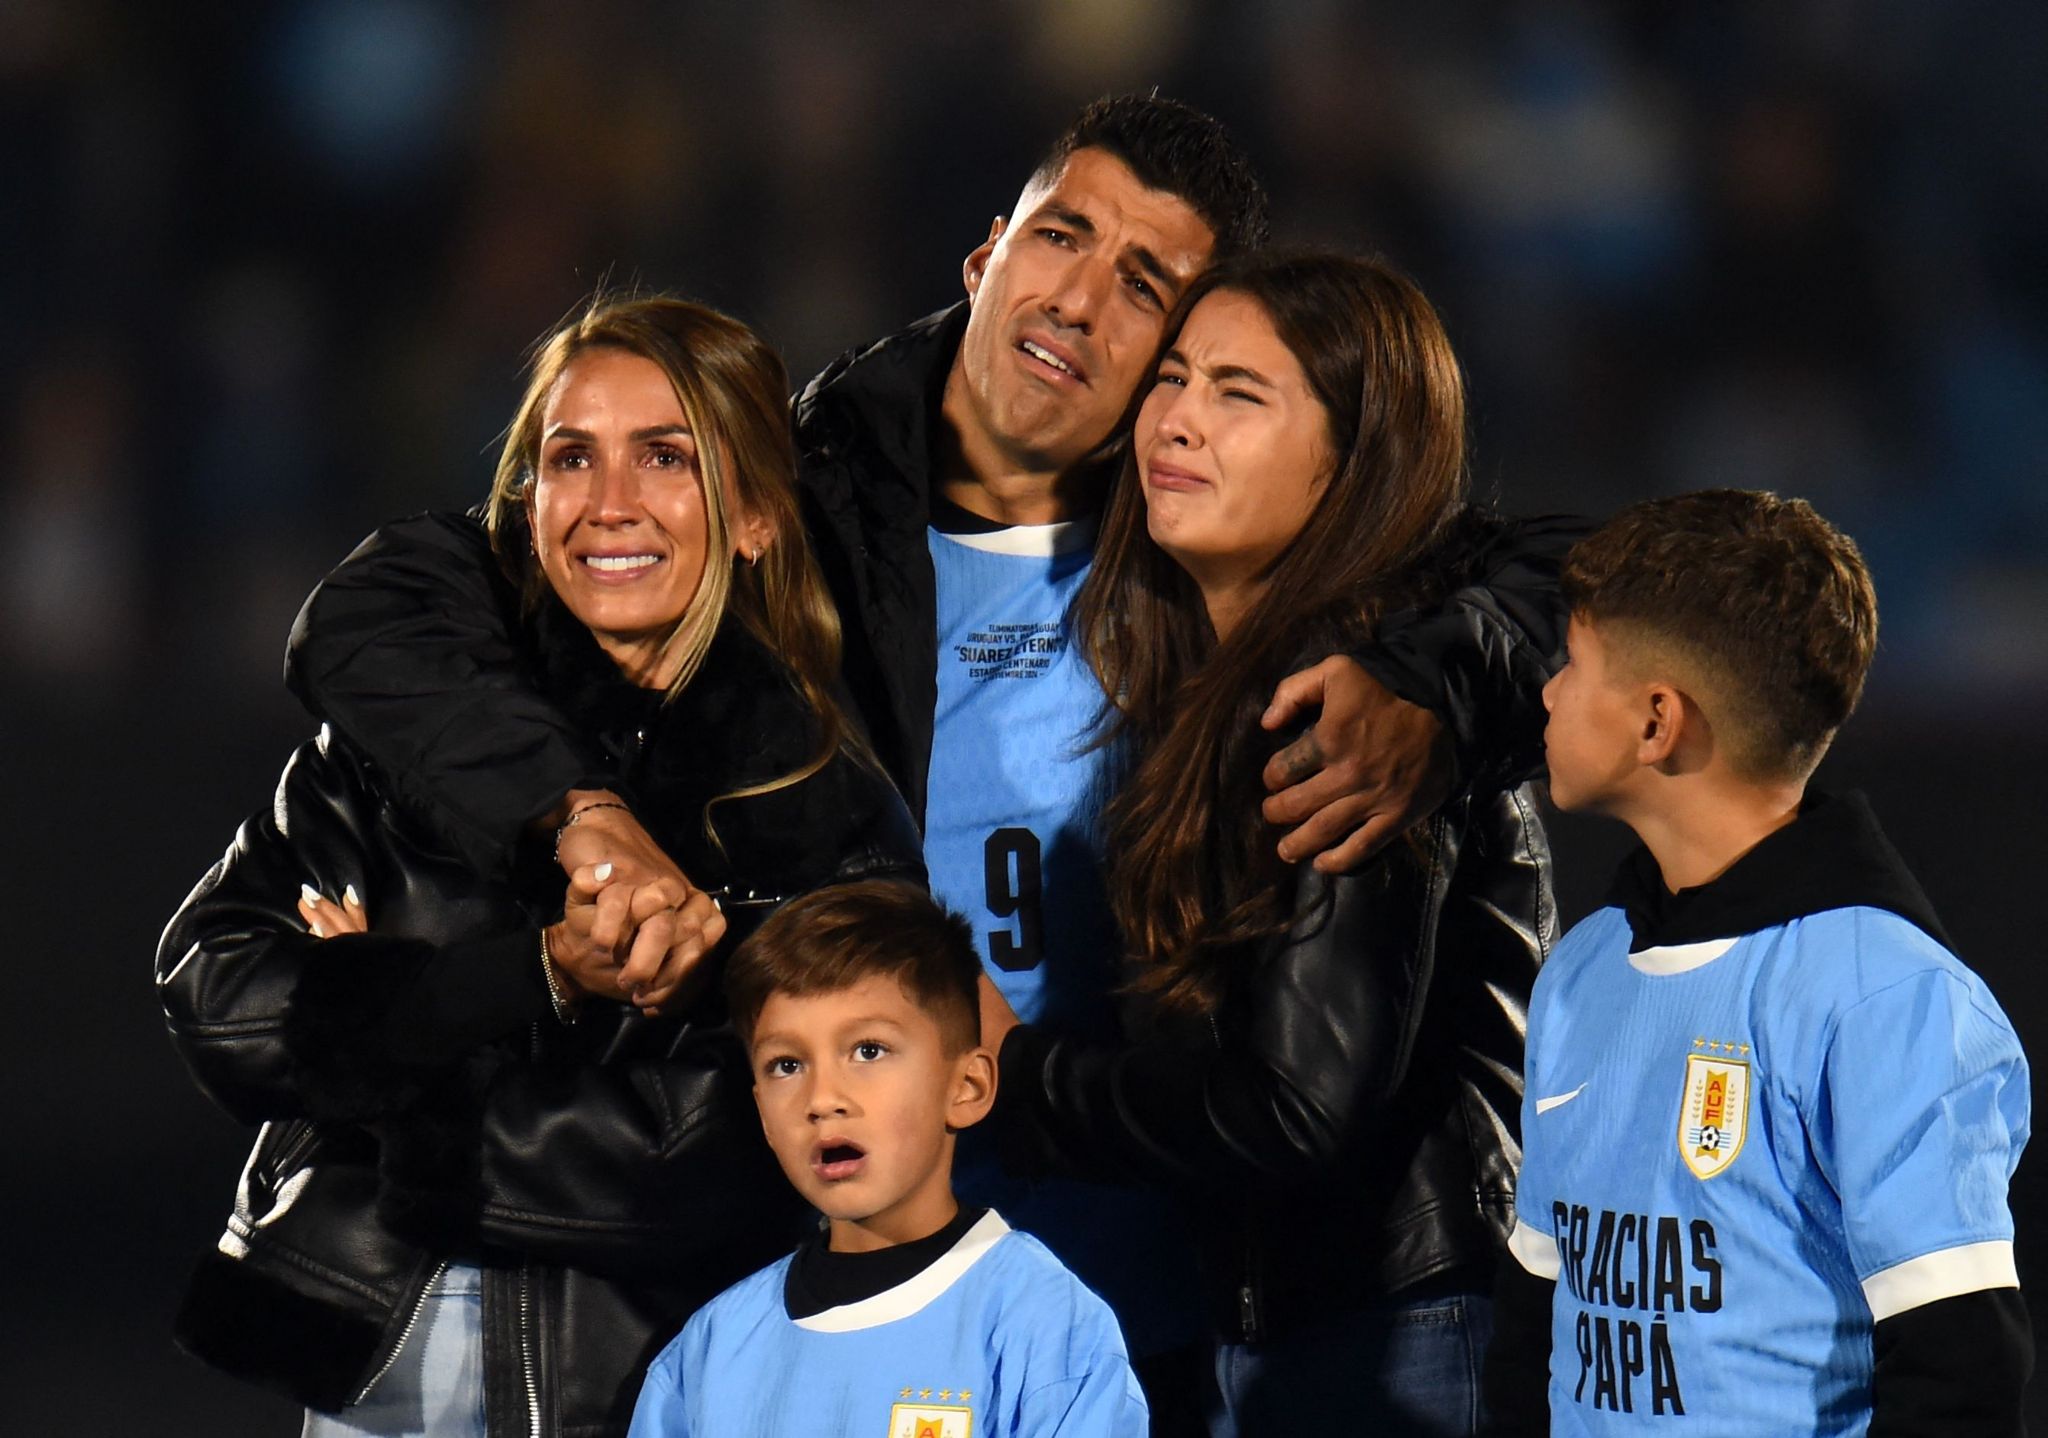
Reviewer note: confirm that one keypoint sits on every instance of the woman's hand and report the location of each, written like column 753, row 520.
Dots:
column 326, row 918
column 1371, row 767
column 997, row 1017
column 633, row 942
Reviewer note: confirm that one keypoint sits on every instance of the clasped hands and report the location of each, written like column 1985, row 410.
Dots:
column 633, row 927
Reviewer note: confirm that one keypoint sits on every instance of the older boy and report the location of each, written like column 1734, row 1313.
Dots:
column 1770, row 1117
column 859, row 1010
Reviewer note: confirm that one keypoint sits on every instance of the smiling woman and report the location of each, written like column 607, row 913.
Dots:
column 507, row 1146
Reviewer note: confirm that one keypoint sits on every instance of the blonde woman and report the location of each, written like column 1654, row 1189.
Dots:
column 507, row 1144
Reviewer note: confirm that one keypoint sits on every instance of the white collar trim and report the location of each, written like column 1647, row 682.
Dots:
column 1680, row 958
column 1041, row 541
column 916, row 1292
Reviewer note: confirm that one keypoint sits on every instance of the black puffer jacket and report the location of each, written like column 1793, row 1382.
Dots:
column 1346, row 1124
column 419, row 1101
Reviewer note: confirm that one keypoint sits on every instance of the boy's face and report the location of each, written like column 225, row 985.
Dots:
column 859, row 1098
column 1594, row 732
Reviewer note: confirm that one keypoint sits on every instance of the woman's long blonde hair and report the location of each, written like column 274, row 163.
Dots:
column 734, row 393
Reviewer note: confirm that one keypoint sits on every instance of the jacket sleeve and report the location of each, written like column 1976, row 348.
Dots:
column 275, row 1023
column 644, row 1151
column 1516, row 1378
column 1334, row 1010
column 408, row 648
column 1480, row 658
column 1956, row 1367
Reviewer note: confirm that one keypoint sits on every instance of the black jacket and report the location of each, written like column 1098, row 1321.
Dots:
column 1345, row 1125
column 404, row 651
column 420, row 1103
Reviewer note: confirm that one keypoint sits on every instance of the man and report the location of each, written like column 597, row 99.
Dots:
column 952, row 473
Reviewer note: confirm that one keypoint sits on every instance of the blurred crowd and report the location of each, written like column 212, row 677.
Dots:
column 270, row 270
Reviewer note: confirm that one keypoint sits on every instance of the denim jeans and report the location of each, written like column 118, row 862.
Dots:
column 1392, row 1371
column 434, row 1387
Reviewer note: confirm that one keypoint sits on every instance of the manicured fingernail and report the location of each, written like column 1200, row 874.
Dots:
column 604, row 871
column 348, row 896
column 310, row 894
column 318, row 932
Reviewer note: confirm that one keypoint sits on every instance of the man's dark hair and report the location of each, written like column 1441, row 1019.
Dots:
column 1766, row 604
column 838, row 936
column 1178, row 149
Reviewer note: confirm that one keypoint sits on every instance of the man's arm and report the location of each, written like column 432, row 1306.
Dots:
column 409, row 648
column 1451, row 693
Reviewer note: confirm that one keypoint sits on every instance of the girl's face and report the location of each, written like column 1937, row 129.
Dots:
column 617, row 505
column 1232, row 445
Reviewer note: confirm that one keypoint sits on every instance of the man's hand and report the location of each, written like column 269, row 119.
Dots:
column 633, row 942
column 997, row 1017
column 1371, row 766
column 597, row 828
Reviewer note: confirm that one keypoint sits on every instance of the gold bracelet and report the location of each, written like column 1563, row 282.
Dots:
column 565, row 1011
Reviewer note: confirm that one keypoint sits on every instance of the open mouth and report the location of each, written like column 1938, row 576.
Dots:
column 619, row 566
column 1050, row 360
column 835, row 1161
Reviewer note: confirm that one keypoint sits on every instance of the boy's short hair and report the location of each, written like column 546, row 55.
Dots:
column 1757, row 600
column 835, row 937
column 1176, row 148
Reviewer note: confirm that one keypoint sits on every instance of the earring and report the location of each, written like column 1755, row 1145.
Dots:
column 754, row 559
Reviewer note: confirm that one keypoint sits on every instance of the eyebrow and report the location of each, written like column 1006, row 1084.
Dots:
column 1140, row 256
column 652, row 431
column 1222, row 373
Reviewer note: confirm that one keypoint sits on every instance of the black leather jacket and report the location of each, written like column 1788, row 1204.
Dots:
column 420, row 1103
column 1345, row 1126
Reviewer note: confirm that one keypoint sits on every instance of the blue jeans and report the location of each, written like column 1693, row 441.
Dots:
column 434, row 1387
column 1392, row 1370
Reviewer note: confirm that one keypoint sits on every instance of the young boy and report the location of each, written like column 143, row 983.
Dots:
column 1770, row 1118
column 906, row 1317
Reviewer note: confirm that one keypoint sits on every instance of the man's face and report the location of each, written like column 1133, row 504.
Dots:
column 859, row 1100
column 1069, row 298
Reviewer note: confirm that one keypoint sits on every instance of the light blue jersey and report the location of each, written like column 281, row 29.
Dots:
column 1012, row 841
column 1740, row 1153
column 1015, row 796
column 992, row 1339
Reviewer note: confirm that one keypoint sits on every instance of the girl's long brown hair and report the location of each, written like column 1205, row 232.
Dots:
column 734, row 393
column 1193, row 872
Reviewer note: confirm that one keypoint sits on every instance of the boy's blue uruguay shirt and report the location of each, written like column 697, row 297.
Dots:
column 1013, row 842
column 989, row 1339
column 1761, row 1116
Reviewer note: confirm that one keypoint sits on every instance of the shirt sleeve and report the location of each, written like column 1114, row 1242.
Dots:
column 1921, row 1114
column 660, row 1412
column 1104, row 1402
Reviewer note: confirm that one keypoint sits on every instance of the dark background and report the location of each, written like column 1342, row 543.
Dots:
column 269, row 270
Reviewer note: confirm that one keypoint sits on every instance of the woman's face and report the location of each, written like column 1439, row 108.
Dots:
column 1231, row 443
column 617, row 505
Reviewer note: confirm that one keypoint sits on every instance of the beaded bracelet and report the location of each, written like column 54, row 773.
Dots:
column 558, row 1000
column 570, row 822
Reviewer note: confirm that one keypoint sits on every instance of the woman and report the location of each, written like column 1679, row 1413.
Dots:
column 487, row 1189
column 1324, row 1072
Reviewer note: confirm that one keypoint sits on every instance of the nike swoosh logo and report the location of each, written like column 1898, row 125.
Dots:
column 1545, row 1105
